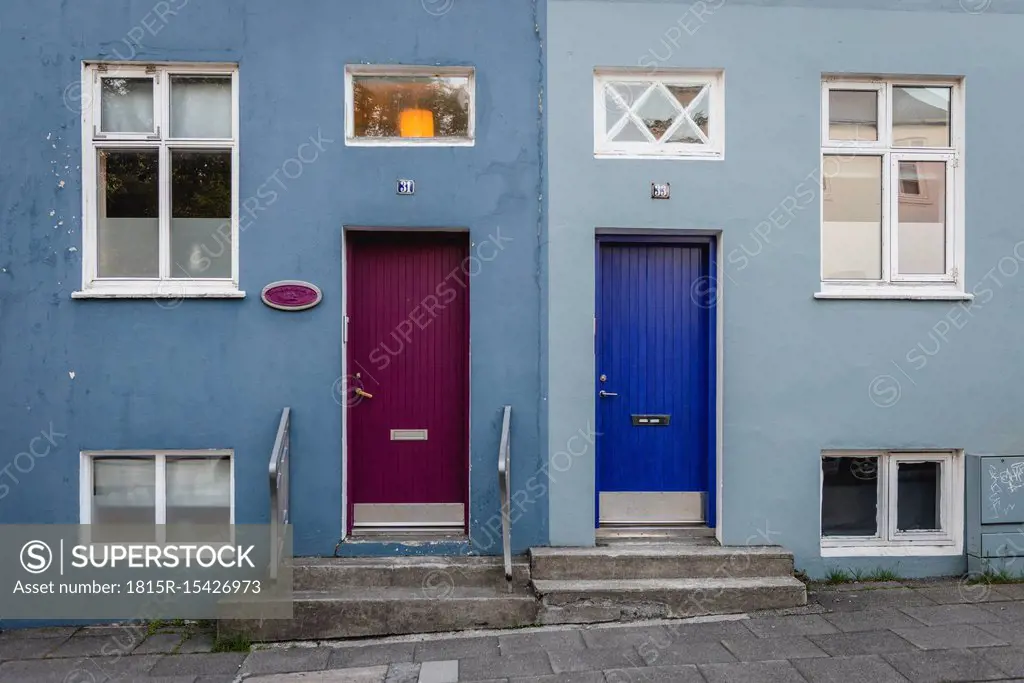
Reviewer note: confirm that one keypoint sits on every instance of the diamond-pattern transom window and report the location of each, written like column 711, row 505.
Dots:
column 662, row 115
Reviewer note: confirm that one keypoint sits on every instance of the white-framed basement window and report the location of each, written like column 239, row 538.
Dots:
column 662, row 114
column 890, row 503
column 892, row 210
column 159, row 180
column 395, row 106
column 190, row 492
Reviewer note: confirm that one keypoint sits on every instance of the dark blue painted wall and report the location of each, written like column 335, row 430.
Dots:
column 215, row 374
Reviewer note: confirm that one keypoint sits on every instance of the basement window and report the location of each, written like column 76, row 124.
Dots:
column 891, row 503
column 190, row 492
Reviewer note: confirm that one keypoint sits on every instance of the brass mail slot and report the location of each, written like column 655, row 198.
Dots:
column 650, row 420
column 408, row 434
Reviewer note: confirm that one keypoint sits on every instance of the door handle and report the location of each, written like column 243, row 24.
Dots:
column 605, row 394
column 363, row 394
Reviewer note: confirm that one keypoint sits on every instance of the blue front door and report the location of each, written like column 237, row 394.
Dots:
column 655, row 307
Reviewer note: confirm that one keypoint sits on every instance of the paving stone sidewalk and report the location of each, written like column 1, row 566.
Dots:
column 881, row 632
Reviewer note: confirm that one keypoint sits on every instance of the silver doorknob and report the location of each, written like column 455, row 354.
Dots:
column 606, row 394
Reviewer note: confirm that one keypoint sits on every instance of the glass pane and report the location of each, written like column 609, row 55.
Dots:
column 198, row 498
column 629, row 93
column 917, row 496
column 126, row 105
column 615, row 110
column 685, row 94
column 852, row 229
column 411, row 107
column 920, row 116
column 658, row 112
column 849, row 497
column 123, row 493
column 200, row 214
column 922, row 218
column 686, row 132
column 201, row 107
column 698, row 112
column 852, row 115
column 128, row 205
column 631, row 133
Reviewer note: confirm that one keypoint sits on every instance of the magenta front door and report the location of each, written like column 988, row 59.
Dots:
column 407, row 390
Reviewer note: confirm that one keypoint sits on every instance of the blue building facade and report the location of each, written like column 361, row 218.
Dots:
column 739, row 264
column 170, row 371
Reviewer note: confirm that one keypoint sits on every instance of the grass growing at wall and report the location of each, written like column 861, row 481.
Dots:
column 837, row 576
column 1000, row 576
column 235, row 643
column 880, row 574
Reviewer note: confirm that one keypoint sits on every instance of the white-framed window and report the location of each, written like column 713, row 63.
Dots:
column 159, row 180
column 663, row 114
column 892, row 209
column 191, row 493
column 410, row 106
column 880, row 502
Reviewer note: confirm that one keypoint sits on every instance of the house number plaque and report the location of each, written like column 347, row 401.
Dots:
column 661, row 190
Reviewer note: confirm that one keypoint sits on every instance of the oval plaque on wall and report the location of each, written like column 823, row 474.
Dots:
column 291, row 295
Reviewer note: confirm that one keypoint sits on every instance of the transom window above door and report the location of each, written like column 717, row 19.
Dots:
column 892, row 189
column 160, row 180
column 409, row 105
column 673, row 114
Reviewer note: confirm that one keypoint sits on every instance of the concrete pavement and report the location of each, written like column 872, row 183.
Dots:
column 877, row 632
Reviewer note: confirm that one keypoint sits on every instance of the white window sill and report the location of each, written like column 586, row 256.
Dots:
column 410, row 142
column 665, row 156
column 922, row 550
column 906, row 293
column 163, row 292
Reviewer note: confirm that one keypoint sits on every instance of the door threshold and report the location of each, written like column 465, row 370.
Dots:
column 680, row 532
column 409, row 534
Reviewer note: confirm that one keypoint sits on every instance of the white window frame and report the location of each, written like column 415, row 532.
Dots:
column 894, row 285
column 889, row 541
column 163, row 286
column 466, row 72
column 160, row 459
column 605, row 148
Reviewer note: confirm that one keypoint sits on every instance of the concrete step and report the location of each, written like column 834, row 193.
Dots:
column 659, row 561
column 573, row 602
column 380, row 611
column 435, row 576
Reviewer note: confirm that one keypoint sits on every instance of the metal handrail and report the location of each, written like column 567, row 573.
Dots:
column 279, row 508
column 504, row 483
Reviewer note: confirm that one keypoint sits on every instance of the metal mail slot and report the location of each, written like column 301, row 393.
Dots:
column 650, row 420
column 408, row 434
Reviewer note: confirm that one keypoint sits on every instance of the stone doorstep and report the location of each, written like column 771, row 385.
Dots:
column 681, row 597
column 623, row 561
column 390, row 611
column 436, row 576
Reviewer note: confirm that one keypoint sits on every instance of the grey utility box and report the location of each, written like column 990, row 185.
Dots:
column 995, row 513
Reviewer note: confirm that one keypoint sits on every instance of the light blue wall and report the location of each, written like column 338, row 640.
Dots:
column 215, row 374
column 797, row 371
